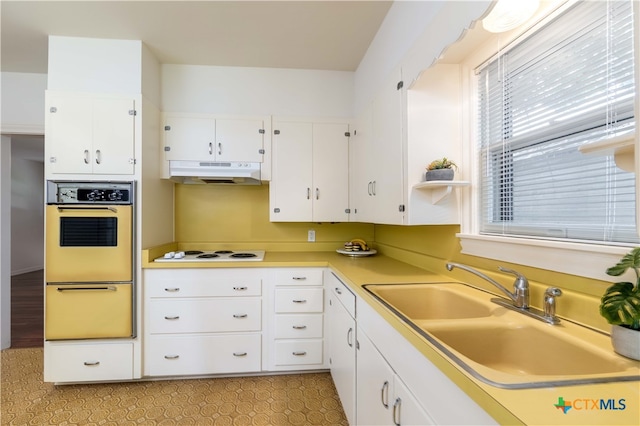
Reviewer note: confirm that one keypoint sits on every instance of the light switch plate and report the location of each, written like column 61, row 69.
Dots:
column 311, row 236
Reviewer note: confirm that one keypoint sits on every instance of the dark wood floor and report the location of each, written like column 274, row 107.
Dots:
column 27, row 310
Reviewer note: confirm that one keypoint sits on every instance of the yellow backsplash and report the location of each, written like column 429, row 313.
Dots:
column 239, row 217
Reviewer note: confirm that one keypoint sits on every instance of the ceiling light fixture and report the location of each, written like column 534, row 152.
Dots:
column 508, row 14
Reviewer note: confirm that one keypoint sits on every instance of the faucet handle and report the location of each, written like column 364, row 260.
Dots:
column 549, row 303
column 521, row 281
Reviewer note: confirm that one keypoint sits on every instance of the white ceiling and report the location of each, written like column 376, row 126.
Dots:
column 326, row 35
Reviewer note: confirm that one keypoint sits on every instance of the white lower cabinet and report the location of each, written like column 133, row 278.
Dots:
column 341, row 332
column 295, row 327
column 202, row 321
column 87, row 362
column 382, row 398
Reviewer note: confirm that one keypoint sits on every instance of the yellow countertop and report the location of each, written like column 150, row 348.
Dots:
column 621, row 404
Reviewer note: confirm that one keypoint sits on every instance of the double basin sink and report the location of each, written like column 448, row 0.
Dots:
column 501, row 347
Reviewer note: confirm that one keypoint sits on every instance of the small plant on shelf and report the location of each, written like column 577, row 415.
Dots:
column 441, row 169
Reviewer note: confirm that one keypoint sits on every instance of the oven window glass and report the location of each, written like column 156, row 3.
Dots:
column 88, row 232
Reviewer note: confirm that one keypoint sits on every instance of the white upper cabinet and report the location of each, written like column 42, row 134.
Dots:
column 376, row 158
column 88, row 134
column 395, row 137
column 309, row 172
column 208, row 138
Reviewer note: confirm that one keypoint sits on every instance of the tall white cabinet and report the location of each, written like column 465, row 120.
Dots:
column 89, row 133
column 310, row 172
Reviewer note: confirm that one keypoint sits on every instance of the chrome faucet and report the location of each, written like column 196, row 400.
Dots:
column 520, row 295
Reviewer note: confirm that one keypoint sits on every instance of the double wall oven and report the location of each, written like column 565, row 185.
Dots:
column 89, row 260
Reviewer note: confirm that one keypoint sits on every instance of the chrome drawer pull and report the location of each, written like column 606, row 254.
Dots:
column 91, row 363
column 172, row 356
column 240, row 315
column 239, row 354
column 302, row 353
column 107, row 288
column 299, row 301
column 240, row 288
column 384, row 394
column 299, row 278
column 299, row 327
column 175, row 317
column 338, row 290
column 172, row 289
column 396, row 411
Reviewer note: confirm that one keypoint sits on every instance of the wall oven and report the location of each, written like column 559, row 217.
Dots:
column 89, row 260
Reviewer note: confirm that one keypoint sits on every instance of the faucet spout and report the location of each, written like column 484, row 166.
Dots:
column 520, row 295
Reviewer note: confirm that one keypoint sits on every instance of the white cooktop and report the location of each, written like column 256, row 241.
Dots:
column 213, row 256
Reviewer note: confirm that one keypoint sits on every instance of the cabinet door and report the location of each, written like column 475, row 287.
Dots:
column 113, row 136
column 375, row 393
column 342, row 356
column 387, row 175
column 330, row 172
column 361, row 157
column 291, row 175
column 239, row 140
column 406, row 408
column 69, row 134
column 189, row 138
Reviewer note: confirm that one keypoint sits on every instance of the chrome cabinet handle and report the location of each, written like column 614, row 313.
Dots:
column 239, row 354
column 240, row 315
column 86, row 156
column 384, row 394
column 317, row 194
column 308, row 193
column 300, row 353
column 240, row 288
column 299, row 278
column 369, row 188
column 337, row 290
column 98, row 156
column 299, row 301
column 91, row 363
column 175, row 317
column 172, row 289
column 299, row 327
column 350, row 337
column 219, row 148
column 396, row 411
column 373, row 192
column 172, row 356
column 210, row 148
column 107, row 288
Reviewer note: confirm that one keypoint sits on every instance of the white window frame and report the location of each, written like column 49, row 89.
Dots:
column 575, row 258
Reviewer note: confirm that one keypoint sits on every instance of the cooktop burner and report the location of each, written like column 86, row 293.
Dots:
column 212, row 256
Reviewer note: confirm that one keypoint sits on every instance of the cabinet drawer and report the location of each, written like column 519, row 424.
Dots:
column 205, row 315
column 298, row 352
column 184, row 355
column 224, row 287
column 88, row 362
column 344, row 295
column 291, row 300
column 298, row 276
column 292, row 326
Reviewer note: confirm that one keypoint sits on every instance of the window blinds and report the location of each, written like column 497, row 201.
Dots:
column 570, row 83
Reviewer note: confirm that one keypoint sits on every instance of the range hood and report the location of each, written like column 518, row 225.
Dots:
column 222, row 173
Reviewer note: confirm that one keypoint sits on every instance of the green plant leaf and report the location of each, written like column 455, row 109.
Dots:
column 629, row 260
column 620, row 305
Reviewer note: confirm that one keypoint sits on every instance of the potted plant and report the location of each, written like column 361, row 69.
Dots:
column 620, row 306
column 441, row 169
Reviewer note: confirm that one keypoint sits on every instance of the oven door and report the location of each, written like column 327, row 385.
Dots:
column 89, row 243
column 88, row 311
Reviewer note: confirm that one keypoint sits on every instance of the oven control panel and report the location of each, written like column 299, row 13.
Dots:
column 89, row 192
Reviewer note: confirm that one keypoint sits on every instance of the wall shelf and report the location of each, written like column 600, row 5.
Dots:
column 622, row 148
column 440, row 189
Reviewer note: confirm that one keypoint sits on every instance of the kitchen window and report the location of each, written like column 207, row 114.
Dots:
column 560, row 87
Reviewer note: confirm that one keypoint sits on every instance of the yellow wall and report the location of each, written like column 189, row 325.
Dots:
column 239, row 216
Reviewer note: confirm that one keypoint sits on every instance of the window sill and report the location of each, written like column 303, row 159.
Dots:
column 583, row 260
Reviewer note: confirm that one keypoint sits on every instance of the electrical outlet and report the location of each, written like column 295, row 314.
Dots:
column 311, row 236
